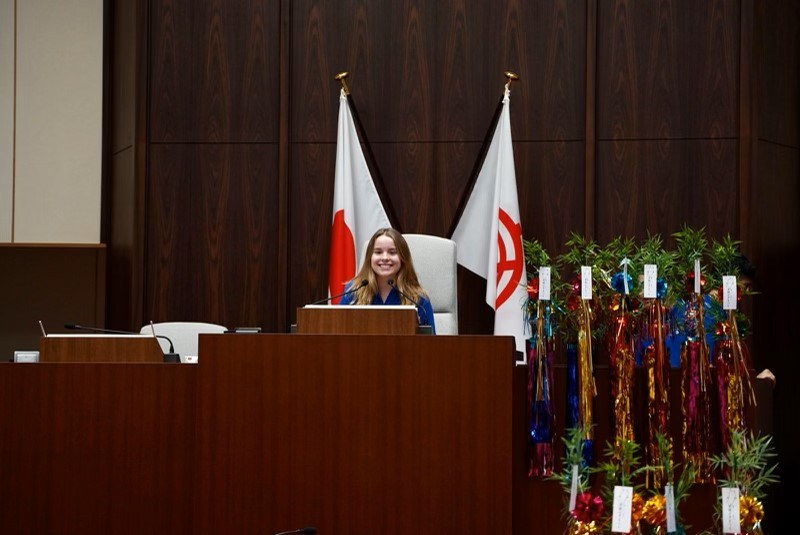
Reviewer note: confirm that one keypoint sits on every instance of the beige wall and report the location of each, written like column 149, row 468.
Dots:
column 6, row 116
column 55, row 107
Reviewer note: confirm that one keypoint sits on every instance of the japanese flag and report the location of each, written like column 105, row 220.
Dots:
column 357, row 208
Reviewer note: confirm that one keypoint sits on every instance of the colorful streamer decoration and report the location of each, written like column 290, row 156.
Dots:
column 587, row 389
column 656, row 364
column 696, row 384
column 540, row 381
column 733, row 379
column 581, row 388
column 621, row 359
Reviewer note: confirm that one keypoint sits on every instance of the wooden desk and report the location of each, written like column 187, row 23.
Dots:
column 351, row 434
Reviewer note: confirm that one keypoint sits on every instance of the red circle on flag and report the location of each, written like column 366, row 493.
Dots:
column 342, row 262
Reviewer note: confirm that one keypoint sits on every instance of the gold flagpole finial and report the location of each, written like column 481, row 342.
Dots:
column 510, row 77
column 341, row 78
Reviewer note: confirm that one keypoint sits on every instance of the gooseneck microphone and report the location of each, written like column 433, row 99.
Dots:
column 331, row 298
column 309, row 530
column 423, row 318
column 171, row 356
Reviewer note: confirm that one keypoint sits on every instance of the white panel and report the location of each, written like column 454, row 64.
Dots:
column 59, row 121
column 6, row 117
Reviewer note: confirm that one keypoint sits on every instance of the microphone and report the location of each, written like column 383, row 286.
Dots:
column 351, row 290
column 171, row 356
column 422, row 319
column 308, row 530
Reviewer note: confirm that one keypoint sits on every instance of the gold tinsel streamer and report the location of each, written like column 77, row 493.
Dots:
column 637, row 509
column 751, row 513
column 655, row 510
column 622, row 363
column 734, row 377
column 585, row 528
column 586, row 386
column 740, row 363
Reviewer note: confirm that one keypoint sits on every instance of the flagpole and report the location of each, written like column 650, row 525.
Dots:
column 377, row 177
column 510, row 77
column 341, row 78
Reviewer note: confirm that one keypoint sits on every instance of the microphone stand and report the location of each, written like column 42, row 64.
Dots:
column 169, row 357
column 416, row 303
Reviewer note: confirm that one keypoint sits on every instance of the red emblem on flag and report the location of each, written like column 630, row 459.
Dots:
column 514, row 264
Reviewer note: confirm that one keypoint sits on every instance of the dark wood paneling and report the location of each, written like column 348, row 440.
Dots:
column 667, row 68
column 123, row 235
column 171, row 99
column 550, row 185
column 97, row 448
column 657, row 186
column 123, row 75
column 56, row 284
column 775, row 252
column 311, row 203
column 778, row 83
column 425, row 182
column 432, row 71
column 211, row 239
column 215, row 71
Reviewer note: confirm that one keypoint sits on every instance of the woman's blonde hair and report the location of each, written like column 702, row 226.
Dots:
column 406, row 280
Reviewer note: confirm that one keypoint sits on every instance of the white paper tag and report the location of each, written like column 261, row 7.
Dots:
column 729, row 292
column 544, row 284
column 586, row 282
column 625, row 263
column 623, row 499
column 697, row 275
column 730, row 510
column 650, row 277
column 669, row 494
column 573, row 488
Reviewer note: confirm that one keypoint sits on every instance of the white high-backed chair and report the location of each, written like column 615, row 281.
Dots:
column 435, row 263
column 184, row 334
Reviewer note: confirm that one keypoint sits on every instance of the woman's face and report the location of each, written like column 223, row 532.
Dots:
column 385, row 259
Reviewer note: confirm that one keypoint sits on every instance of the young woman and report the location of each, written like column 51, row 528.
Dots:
column 390, row 277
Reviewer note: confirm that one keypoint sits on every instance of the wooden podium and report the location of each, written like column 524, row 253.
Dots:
column 99, row 348
column 389, row 434
column 355, row 319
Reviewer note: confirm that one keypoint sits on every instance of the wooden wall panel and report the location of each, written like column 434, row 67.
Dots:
column 211, row 243
column 54, row 284
column 215, row 71
column 432, row 71
column 775, row 252
column 550, row 188
column 667, row 69
column 170, row 99
column 657, row 186
column 312, row 164
column 778, row 58
column 425, row 182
